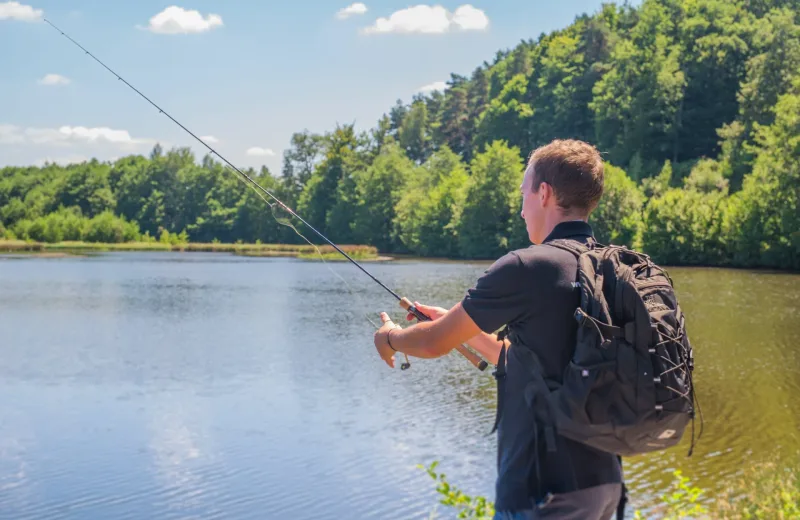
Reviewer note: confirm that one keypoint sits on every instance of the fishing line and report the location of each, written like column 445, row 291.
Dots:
column 247, row 180
column 287, row 223
column 404, row 302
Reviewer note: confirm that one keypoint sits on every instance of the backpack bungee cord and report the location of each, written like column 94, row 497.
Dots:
column 405, row 303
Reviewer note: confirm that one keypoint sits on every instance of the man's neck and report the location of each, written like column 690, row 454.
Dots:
column 558, row 218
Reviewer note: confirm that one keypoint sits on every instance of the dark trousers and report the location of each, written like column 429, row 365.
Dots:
column 594, row 503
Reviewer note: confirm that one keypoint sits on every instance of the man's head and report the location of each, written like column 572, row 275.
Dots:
column 563, row 181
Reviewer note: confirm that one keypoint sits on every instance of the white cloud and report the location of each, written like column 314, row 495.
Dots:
column 54, row 79
column 210, row 139
column 426, row 19
column 438, row 85
column 18, row 11
column 10, row 134
column 68, row 135
column 257, row 151
column 468, row 18
column 351, row 10
column 177, row 20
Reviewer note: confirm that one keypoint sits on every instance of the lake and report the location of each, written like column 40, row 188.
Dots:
column 169, row 385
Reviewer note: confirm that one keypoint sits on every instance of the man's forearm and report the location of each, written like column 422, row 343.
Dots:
column 420, row 340
column 423, row 341
column 432, row 339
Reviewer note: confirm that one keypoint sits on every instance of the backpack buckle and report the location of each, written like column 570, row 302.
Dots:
column 580, row 316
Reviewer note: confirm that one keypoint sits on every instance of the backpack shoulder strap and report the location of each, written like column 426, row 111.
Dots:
column 573, row 246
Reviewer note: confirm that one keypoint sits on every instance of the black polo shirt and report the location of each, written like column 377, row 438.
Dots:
column 531, row 290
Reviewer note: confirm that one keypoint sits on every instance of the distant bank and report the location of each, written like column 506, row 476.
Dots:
column 357, row 252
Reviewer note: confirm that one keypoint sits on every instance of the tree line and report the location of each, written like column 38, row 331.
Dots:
column 695, row 105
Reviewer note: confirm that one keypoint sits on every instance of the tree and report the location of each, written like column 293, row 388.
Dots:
column 429, row 209
column 300, row 159
column 413, row 135
column 506, row 117
column 488, row 220
column 776, row 38
column 319, row 194
column 618, row 216
column 378, row 189
column 765, row 220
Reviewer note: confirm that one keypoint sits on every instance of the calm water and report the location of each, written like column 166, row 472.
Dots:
column 209, row 386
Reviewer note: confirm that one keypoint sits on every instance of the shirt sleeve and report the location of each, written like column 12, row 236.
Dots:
column 500, row 296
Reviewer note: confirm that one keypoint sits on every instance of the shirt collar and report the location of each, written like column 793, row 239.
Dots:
column 570, row 229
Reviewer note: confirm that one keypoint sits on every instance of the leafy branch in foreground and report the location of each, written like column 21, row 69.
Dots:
column 473, row 508
column 769, row 491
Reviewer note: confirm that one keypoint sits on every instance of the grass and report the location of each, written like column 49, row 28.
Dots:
column 265, row 250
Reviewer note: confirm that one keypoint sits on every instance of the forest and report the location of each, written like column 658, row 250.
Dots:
column 694, row 104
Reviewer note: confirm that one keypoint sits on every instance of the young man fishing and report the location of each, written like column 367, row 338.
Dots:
column 531, row 291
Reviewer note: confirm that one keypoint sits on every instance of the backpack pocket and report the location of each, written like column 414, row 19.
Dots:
column 587, row 391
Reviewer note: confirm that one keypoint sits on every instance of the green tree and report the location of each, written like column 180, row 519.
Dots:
column 618, row 217
column 379, row 188
column 413, row 136
column 506, row 117
column 430, row 207
column 488, row 220
column 319, row 194
column 765, row 221
column 776, row 39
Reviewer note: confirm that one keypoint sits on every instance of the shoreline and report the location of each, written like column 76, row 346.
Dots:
column 360, row 253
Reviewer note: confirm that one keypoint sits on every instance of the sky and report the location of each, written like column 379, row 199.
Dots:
column 242, row 74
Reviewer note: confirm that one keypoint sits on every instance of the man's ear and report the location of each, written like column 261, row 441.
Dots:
column 545, row 193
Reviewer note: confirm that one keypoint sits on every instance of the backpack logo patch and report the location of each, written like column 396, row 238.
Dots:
column 653, row 305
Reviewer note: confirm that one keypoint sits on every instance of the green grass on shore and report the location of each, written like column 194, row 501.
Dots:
column 267, row 250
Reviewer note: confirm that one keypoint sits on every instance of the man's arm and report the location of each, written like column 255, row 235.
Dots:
column 499, row 297
column 432, row 339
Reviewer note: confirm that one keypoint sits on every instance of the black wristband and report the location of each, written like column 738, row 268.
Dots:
column 389, row 341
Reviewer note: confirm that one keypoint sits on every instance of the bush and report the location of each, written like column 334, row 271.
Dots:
column 687, row 227
column 65, row 224
column 174, row 239
column 110, row 229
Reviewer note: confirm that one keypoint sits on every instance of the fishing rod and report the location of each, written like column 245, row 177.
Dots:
column 405, row 303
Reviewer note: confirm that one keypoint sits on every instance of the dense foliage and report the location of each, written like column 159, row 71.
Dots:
column 694, row 103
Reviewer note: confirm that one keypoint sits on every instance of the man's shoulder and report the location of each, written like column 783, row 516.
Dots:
column 540, row 254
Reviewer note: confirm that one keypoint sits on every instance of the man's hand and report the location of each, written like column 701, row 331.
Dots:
column 434, row 313
column 382, row 340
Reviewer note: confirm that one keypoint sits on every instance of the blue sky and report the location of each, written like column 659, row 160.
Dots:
column 247, row 73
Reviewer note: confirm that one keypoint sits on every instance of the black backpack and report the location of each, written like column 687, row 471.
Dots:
column 628, row 388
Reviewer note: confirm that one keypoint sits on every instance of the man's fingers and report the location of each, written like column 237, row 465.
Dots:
column 385, row 318
column 421, row 307
column 424, row 309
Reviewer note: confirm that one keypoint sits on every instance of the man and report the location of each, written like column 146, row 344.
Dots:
column 531, row 291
